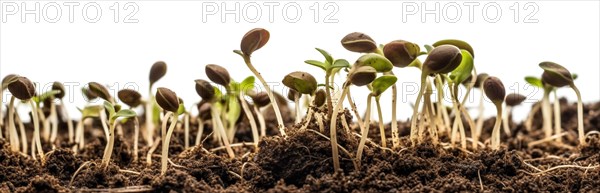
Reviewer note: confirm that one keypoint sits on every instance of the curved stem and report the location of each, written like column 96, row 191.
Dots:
column 480, row 118
column 496, row 131
column 218, row 126
column 328, row 94
column 458, row 117
column 547, row 114
column 251, row 119
column 36, row 132
column 580, row 128
column 333, row 128
column 361, row 124
column 413, row 122
column 431, row 118
column 270, row 93
column 69, row 121
column 557, row 123
column 149, row 153
column 149, row 123
column 365, row 131
column 261, row 121
column 381, row 127
column 200, row 131
column 534, row 109
column 103, row 119
column 109, row 147
column 167, row 140
column 23, row 133
column 505, row 121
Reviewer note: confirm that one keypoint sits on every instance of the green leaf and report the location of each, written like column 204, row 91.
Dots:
column 340, row 63
column 125, row 113
column 428, row 48
column 218, row 93
column 181, row 109
column 534, row 81
column 300, row 81
column 327, row 56
column 382, row 83
column 247, row 84
column 110, row 108
column 317, row 64
column 45, row 96
column 233, row 110
column 458, row 43
column 377, row 61
column 91, row 111
column 463, row 71
column 155, row 112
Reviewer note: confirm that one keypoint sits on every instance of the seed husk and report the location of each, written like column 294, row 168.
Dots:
column 130, row 97
column 157, row 71
column 22, row 88
column 261, row 99
column 443, row 59
column 204, row 89
column 59, row 87
column 217, row 74
column 167, row 99
column 301, row 82
column 359, row 42
column 99, row 90
column 514, row 99
column 401, row 53
column 494, row 89
column 253, row 40
column 320, row 97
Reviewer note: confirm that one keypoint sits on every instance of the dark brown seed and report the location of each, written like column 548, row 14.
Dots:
column 130, row 97
column 320, row 97
column 204, row 89
column 401, row 53
column 204, row 110
column 59, row 87
column 157, row 71
column 8, row 79
column 494, row 89
column 261, row 99
column 22, row 88
column 217, row 74
column 359, row 42
column 167, row 99
column 88, row 94
column 480, row 78
column 292, row 94
column 100, row 91
column 555, row 74
column 514, row 99
column 443, row 59
column 302, row 82
column 254, row 40
column 363, row 78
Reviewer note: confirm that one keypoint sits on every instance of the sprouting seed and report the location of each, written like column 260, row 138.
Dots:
column 359, row 42
column 254, row 40
column 204, row 89
column 157, row 71
column 130, row 97
column 495, row 91
column 514, row 99
column 167, row 99
column 100, row 91
column 401, row 53
column 22, row 88
column 363, row 76
column 261, row 99
column 302, row 82
column 320, row 98
column 59, row 87
column 443, row 59
column 217, row 74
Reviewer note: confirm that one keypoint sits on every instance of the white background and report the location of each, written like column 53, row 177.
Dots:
column 186, row 38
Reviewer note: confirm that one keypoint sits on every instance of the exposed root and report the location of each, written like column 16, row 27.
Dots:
column 129, row 189
column 85, row 164
column 242, row 144
column 548, row 139
column 374, row 144
column 563, row 166
column 129, row 172
column 236, row 175
column 480, row 182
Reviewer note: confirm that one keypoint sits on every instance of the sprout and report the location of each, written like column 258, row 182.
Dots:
column 494, row 90
column 168, row 101
column 330, row 66
column 5, row 82
column 359, row 42
column 479, row 84
column 512, row 100
column 23, row 89
column 202, row 89
column 458, row 43
column 203, row 114
column 300, row 83
column 101, row 91
column 113, row 114
column 252, row 41
column 558, row 76
column 458, row 76
column 157, row 71
column 319, row 99
column 401, row 53
column 217, row 74
column 132, row 99
column 260, row 99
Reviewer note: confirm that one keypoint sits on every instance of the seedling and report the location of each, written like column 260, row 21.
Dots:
column 511, row 100
column 300, row 83
column 113, row 113
column 359, row 42
column 558, row 76
column 377, row 87
column 5, row 81
column 60, row 87
column 479, row 125
column 132, row 99
column 252, row 41
column 458, row 76
column 203, row 114
column 441, row 60
column 213, row 95
column 330, row 66
column 260, row 100
column 23, row 89
column 169, row 102
column 157, row 71
column 494, row 90
column 101, row 91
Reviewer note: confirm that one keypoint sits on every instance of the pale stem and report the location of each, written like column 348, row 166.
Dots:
column 297, row 106
column 534, row 109
column 547, row 114
column 149, row 122
column 261, row 121
column 472, row 126
column 186, row 130
column 432, row 125
column 580, row 128
column 505, row 121
column 104, row 125
column 394, row 126
column 480, row 118
column 557, row 123
column 320, row 122
column 54, row 121
column 12, row 130
column 219, row 127
column 23, row 133
column 333, row 128
column 36, row 132
column 200, row 130
column 496, row 131
column 381, row 127
column 1, row 112
column 413, row 122
column 442, row 113
column 251, row 119
column 271, row 97
column 151, row 151
column 328, row 94
column 167, row 140
column 109, row 147
column 46, row 125
column 458, row 117
column 355, row 110
column 364, row 131
column 136, row 138
column 69, row 122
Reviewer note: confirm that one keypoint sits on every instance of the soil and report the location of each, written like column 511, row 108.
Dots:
column 302, row 162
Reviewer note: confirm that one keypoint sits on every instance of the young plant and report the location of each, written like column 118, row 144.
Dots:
column 363, row 72
column 132, row 99
column 60, row 87
column 458, row 76
column 479, row 125
column 494, row 90
column 169, row 102
column 23, row 89
column 300, row 83
column 441, row 60
column 212, row 95
column 511, row 100
column 377, row 87
column 252, row 41
column 260, row 100
column 157, row 71
column 558, row 76
column 102, row 92
column 330, row 66
column 203, row 115
column 5, row 81
column 114, row 112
